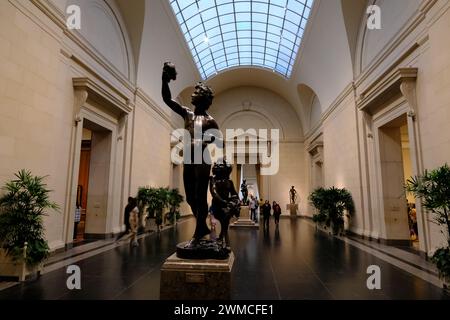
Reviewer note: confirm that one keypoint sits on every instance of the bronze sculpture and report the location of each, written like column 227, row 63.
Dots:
column 196, row 172
column 293, row 195
column 244, row 191
column 225, row 200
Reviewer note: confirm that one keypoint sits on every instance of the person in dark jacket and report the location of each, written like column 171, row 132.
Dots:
column 132, row 203
column 276, row 212
column 266, row 213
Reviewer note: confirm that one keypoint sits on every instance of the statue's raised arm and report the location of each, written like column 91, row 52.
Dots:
column 169, row 73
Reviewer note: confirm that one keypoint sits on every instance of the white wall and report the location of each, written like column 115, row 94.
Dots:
column 151, row 164
column 433, row 96
column 258, row 108
column 245, row 101
column 325, row 63
column 341, row 162
column 394, row 15
column 161, row 42
column 101, row 28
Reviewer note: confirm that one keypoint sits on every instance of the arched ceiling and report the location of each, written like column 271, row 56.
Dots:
column 133, row 13
column 324, row 63
column 353, row 11
column 257, row 77
column 230, row 33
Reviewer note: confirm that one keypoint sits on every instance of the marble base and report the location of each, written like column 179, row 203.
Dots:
column 244, row 220
column 293, row 208
column 183, row 279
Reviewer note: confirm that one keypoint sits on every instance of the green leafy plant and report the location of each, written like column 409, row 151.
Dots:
column 22, row 208
column 331, row 205
column 174, row 201
column 433, row 188
column 153, row 200
column 441, row 258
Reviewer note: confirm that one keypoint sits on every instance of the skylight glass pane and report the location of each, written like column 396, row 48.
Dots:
column 242, row 6
column 260, row 7
column 227, row 33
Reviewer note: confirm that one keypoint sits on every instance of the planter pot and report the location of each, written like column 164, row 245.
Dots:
column 16, row 271
column 329, row 230
column 323, row 228
column 446, row 284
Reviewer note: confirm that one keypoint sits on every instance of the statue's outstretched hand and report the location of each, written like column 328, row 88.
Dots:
column 169, row 72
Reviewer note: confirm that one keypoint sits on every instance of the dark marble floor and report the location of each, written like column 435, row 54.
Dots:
column 292, row 262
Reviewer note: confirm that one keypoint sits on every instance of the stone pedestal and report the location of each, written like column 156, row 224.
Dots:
column 244, row 220
column 293, row 209
column 183, row 279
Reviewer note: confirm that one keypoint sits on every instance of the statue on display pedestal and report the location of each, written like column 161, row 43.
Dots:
column 244, row 191
column 196, row 172
column 225, row 199
column 293, row 195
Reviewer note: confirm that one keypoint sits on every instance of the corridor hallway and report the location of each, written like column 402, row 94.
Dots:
column 294, row 262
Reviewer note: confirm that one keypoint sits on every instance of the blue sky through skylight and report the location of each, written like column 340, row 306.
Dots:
column 224, row 33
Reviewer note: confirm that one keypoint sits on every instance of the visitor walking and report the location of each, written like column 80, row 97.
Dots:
column 266, row 214
column 132, row 202
column 276, row 212
column 134, row 223
column 253, row 206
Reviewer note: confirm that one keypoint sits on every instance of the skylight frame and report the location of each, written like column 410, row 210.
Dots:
column 224, row 34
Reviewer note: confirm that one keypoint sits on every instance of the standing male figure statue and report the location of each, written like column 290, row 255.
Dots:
column 293, row 195
column 244, row 191
column 195, row 175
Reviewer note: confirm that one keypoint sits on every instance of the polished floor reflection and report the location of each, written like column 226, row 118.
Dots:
column 293, row 261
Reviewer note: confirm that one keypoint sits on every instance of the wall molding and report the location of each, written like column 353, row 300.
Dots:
column 102, row 94
column 392, row 45
column 385, row 87
column 331, row 110
column 148, row 101
column 57, row 17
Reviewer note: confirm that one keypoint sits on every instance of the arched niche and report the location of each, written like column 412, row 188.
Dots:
column 102, row 26
column 394, row 17
column 258, row 108
column 311, row 104
column 248, row 119
column 353, row 12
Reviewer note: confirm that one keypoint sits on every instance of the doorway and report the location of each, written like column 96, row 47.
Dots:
column 396, row 168
column 250, row 173
column 93, row 179
column 82, row 188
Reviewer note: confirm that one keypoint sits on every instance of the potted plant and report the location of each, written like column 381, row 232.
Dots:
column 160, row 201
column 331, row 205
column 174, row 200
column 22, row 243
column 433, row 188
column 153, row 200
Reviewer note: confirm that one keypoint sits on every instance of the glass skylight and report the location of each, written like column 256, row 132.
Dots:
column 224, row 33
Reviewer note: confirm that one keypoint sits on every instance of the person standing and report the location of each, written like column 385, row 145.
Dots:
column 266, row 214
column 253, row 207
column 276, row 212
column 414, row 221
column 134, row 223
column 132, row 202
column 256, row 209
column 77, row 221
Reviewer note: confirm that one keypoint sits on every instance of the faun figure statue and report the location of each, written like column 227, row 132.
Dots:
column 195, row 174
